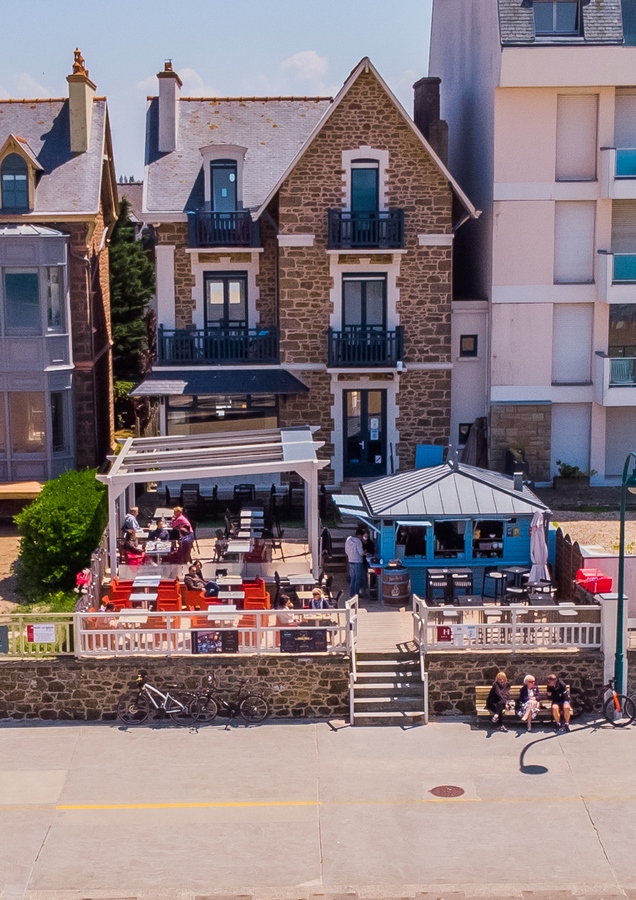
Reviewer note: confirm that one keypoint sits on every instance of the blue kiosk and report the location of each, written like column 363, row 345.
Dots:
column 448, row 516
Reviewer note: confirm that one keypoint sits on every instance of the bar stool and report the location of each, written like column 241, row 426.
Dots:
column 515, row 595
column 461, row 583
column 498, row 580
column 436, row 581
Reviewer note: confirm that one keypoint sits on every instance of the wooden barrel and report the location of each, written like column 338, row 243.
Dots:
column 396, row 586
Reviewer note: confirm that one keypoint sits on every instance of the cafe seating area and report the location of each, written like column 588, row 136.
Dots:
column 503, row 586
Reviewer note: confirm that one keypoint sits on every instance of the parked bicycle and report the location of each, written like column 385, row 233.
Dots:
column 177, row 703
column 251, row 706
column 619, row 709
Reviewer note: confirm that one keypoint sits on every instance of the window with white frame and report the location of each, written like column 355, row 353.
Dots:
column 557, row 18
column 28, row 294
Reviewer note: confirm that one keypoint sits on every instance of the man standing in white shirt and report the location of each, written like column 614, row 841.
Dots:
column 355, row 556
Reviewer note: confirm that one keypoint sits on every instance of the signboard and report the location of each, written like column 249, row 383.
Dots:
column 41, row 634
column 215, row 642
column 444, row 634
column 303, row 640
column 4, row 638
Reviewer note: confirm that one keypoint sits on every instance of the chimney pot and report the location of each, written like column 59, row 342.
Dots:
column 426, row 115
column 518, row 481
column 81, row 92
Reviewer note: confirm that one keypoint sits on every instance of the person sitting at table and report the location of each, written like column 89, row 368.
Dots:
column 178, row 521
column 183, row 551
column 159, row 532
column 318, row 600
column 529, row 700
column 284, row 614
column 132, row 551
column 194, row 581
column 220, row 545
column 130, row 520
column 499, row 699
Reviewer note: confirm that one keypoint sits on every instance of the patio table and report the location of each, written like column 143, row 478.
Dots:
column 517, row 573
column 163, row 512
column 139, row 598
column 541, row 600
column 231, row 595
column 133, row 618
column 301, row 579
column 229, row 579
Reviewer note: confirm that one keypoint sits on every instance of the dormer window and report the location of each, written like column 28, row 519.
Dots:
column 365, row 185
column 224, row 183
column 15, row 183
column 561, row 18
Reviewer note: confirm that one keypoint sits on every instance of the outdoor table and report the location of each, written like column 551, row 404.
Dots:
column 517, row 573
column 219, row 614
column 231, row 595
column 250, row 534
column 541, row 600
column 229, row 579
column 158, row 549
column 147, row 581
column 304, row 595
column 239, row 546
column 133, row 618
column 568, row 611
column 471, row 601
column 163, row 512
column 300, row 580
column 140, row 598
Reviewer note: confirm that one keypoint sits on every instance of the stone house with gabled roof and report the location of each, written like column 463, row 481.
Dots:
column 57, row 203
column 304, row 250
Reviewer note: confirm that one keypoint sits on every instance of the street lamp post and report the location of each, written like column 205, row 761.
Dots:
column 627, row 484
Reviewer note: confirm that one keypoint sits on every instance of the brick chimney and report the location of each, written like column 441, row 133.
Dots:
column 426, row 115
column 169, row 91
column 81, row 92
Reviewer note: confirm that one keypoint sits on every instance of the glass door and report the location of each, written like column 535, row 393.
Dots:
column 226, row 301
column 224, row 186
column 364, row 435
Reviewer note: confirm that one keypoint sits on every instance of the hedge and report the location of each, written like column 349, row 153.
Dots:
column 58, row 533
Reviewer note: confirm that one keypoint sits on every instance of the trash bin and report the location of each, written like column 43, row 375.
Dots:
column 396, row 584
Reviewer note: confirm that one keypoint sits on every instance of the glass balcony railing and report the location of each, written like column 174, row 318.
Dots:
column 624, row 267
column 626, row 163
column 622, row 371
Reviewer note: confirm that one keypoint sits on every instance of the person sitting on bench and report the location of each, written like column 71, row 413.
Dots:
column 560, row 699
column 499, row 699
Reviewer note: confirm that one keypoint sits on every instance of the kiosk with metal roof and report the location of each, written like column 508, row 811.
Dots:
column 222, row 454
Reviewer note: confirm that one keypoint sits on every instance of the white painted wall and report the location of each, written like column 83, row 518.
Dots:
column 521, row 341
column 164, row 276
column 621, row 438
column 469, row 390
column 523, row 243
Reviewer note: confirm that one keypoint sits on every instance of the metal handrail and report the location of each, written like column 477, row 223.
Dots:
column 378, row 229
column 236, row 345
column 365, row 346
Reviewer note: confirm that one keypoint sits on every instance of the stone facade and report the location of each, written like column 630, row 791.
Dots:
column 452, row 676
column 65, row 688
column 424, row 402
column 525, row 427
column 176, row 234
column 312, row 409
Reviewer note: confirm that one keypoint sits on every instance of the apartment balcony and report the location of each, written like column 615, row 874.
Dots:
column 615, row 380
column 382, row 230
column 617, row 277
column 218, row 346
column 618, row 173
column 365, row 347
column 222, row 229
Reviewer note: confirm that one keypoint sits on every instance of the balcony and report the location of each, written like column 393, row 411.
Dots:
column 217, row 346
column 226, row 229
column 615, row 381
column 365, row 347
column 382, row 230
column 617, row 277
column 618, row 173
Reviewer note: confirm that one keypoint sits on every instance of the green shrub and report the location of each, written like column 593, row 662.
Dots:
column 58, row 533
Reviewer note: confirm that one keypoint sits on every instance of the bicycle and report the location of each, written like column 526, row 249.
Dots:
column 250, row 705
column 134, row 708
column 618, row 709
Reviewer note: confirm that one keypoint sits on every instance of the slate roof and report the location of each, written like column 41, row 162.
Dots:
column 273, row 130
column 133, row 192
column 70, row 182
column 192, row 382
column 602, row 22
column 448, row 491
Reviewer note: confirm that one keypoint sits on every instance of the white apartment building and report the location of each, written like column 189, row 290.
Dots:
column 540, row 99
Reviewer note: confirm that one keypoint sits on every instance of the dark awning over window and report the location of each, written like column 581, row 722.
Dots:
column 193, row 382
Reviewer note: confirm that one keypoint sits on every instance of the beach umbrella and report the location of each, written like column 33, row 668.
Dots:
column 538, row 549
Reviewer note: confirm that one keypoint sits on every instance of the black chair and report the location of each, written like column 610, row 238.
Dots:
column 277, row 540
column 191, row 497
column 461, row 583
column 244, row 493
column 335, row 600
column 498, row 582
column 437, row 582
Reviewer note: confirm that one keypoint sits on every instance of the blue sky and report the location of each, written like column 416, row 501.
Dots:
column 244, row 47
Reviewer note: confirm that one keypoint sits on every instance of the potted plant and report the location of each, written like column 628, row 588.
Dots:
column 571, row 476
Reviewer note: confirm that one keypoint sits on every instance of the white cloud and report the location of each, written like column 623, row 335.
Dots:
column 306, row 66
column 148, row 85
column 26, row 86
column 193, row 85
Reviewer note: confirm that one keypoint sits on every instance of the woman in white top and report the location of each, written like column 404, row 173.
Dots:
column 284, row 614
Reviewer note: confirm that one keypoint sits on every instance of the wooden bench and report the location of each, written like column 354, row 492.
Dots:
column 544, row 714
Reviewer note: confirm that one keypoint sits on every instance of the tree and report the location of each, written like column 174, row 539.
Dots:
column 132, row 283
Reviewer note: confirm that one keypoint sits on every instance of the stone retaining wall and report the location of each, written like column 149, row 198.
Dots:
column 452, row 676
column 66, row 688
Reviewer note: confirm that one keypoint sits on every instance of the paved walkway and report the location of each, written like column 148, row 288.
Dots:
column 315, row 810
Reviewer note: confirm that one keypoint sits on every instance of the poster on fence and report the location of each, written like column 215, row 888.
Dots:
column 41, row 634
column 300, row 640
column 444, row 634
column 215, row 642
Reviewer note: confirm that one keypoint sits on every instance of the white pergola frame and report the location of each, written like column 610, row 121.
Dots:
column 224, row 454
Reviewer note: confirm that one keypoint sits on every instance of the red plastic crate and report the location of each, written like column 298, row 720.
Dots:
column 595, row 581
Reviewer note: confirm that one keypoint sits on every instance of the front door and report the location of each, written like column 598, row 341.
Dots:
column 364, row 434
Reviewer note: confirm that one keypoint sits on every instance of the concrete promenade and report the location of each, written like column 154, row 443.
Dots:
column 317, row 810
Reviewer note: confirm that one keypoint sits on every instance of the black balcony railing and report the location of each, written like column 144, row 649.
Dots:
column 352, row 230
column 222, row 229
column 218, row 346
column 365, row 347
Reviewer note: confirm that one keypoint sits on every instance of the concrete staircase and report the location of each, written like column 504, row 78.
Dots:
column 388, row 690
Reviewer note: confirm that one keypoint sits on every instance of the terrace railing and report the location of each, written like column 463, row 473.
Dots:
column 222, row 229
column 36, row 635
column 220, row 346
column 365, row 347
column 516, row 628
column 382, row 230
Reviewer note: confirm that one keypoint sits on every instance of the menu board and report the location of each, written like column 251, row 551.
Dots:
column 215, row 642
column 303, row 640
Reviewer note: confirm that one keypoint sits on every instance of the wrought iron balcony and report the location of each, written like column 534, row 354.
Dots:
column 364, row 347
column 222, row 229
column 218, row 346
column 382, row 230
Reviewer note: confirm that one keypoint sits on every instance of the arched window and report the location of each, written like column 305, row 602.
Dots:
column 15, row 182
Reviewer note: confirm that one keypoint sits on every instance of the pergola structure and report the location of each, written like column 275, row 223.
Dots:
column 223, row 454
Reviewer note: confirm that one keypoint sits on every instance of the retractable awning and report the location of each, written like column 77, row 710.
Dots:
column 193, row 382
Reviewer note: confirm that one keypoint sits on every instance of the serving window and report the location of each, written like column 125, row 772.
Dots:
column 410, row 541
column 449, row 539
column 487, row 539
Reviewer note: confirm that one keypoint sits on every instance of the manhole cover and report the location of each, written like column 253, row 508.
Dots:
column 446, row 790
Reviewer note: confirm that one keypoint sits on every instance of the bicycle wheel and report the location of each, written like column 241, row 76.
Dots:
column 187, row 707
column 619, row 710
column 254, row 708
column 133, row 709
column 207, row 709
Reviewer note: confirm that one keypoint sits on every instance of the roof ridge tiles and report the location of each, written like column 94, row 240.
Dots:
column 251, row 99
column 38, row 99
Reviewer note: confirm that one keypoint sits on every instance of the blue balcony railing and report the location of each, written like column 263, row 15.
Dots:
column 364, row 347
column 624, row 267
column 218, row 346
column 383, row 230
column 626, row 163
column 222, row 229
